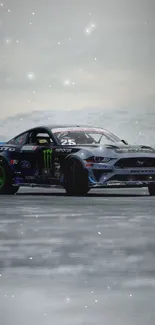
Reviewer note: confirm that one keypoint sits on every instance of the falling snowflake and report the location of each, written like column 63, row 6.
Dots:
column 31, row 76
column 89, row 29
column 7, row 41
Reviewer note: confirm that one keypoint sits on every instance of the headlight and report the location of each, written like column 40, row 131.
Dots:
column 98, row 160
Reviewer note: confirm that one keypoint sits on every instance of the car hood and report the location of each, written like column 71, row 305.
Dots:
column 118, row 150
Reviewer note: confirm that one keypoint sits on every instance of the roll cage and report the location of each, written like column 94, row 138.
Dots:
column 25, row 137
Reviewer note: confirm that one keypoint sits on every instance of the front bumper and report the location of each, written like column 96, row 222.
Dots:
column 104, row 175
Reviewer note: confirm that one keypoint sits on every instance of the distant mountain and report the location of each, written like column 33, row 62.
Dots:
column 136, row 125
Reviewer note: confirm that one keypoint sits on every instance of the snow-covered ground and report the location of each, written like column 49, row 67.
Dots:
column 79, row 261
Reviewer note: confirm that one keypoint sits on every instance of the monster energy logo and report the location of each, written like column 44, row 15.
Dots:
column 47, row 158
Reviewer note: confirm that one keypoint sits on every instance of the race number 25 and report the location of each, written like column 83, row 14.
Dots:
column 69, row 142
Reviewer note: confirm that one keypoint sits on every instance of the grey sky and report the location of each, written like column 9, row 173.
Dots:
column 69, row 54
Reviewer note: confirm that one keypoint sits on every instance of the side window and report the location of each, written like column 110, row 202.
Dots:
column 40, row 138
column 21, row 139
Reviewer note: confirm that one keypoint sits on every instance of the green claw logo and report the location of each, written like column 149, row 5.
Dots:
column 47, row 158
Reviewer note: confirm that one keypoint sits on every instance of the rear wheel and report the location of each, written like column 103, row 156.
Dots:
column 75, row 179
column 151, row 189
column 6, row 186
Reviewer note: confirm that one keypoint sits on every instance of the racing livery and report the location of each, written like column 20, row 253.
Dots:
column 76, row 158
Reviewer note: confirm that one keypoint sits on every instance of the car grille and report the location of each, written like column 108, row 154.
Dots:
column 135, row 162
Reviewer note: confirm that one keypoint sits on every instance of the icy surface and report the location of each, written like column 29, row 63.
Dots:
column 80, row 261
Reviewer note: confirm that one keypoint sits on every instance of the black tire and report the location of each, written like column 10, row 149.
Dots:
column 75, row 179
column 151, row 189
column 6, row 178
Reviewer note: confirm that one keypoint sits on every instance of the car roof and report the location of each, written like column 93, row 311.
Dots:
column 56, row 126
column 59, row 126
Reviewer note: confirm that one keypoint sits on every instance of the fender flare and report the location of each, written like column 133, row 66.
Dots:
column 4, row 161
column 71, row 156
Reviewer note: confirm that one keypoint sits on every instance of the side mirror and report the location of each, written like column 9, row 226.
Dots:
column 124, row 141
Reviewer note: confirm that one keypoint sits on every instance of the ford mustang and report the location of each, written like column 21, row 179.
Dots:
column 76, row 158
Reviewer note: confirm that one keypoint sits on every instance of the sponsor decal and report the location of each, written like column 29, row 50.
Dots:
column 63, row 150
column 18, row 180
column 29, row 148
column 7, row 149
column 143, row 171
column 47, row 155
column 13, row 162
column 25, row 164
column 98, row 166
column 30, row 177
column 130, row 150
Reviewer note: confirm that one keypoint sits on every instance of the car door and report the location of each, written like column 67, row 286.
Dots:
column 23, row 159
column 19, row 162
column 37, row 156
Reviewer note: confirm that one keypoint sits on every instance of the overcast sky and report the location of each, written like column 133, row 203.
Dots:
column 70, row 54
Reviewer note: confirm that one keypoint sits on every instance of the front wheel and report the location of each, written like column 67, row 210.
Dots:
column 151, row 189
column 75, row 179
column 6, row 186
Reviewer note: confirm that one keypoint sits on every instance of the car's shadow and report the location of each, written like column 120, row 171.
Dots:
column 58, row 194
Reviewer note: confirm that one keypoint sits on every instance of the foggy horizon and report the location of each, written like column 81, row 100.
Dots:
column 64, row 55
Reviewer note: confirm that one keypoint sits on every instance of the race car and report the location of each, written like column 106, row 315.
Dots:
column 76, row 158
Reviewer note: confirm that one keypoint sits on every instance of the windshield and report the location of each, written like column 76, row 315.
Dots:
column 84, row 136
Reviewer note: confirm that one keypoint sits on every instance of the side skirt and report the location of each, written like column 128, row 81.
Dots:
column 37, row 185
